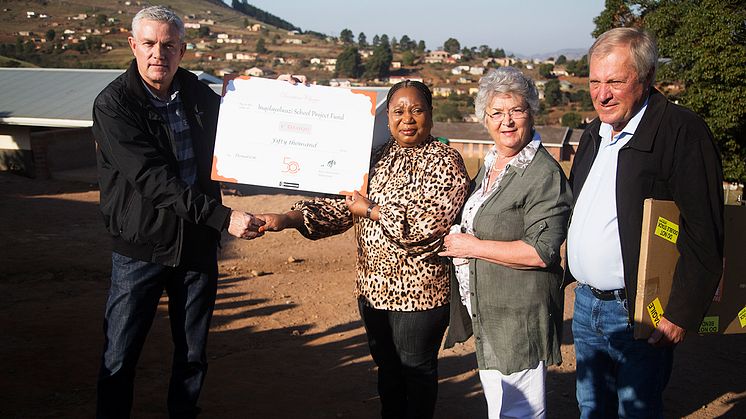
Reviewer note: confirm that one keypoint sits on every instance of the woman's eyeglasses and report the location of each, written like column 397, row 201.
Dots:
column 514, row 114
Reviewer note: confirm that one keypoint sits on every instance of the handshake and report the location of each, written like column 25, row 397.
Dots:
column 247, row 226
column 244, row 225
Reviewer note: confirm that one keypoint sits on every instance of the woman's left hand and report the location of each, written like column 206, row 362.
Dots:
column 358, row 204
column 459, row 245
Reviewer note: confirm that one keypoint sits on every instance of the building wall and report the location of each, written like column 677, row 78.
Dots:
column 15, row 149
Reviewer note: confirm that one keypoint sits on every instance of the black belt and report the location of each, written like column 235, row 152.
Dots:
column 609, row 295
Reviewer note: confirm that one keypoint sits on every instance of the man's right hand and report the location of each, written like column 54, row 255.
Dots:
column 244, row 225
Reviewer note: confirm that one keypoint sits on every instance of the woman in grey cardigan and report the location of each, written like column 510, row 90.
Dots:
column 507, row 284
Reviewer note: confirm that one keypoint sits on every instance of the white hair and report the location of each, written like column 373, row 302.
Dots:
column 159, row 14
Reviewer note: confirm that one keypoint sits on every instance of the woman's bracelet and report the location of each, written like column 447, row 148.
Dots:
column 369, row 211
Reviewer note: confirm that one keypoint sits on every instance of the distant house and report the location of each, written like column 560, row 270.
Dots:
column 560, row 70
column 463, row 80
column 442, row 91
column 473, row 141
column 208, row 22
column 246, row 56
column 396, row 65
column 255, row 27
column 459, row 69
column 476, row 71
column 294, row 41
column 397, row 79
column 256, row 72
column 565, row 86
column 192, row 25
column 315, row 60
column 340, row 83
column 502, row 62
column 224, row 71
column 437, row 56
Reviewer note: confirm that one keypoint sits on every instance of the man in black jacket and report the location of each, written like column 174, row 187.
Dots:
column 155, row 132
column 640, row 146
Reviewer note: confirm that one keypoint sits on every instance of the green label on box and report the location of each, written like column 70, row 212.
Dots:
column 710, row 324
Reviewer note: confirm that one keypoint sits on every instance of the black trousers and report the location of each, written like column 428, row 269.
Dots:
column 404, row 346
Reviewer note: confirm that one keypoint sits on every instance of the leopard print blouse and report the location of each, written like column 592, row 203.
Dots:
column 420, row 191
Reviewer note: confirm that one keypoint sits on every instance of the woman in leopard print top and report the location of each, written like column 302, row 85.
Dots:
column 416, row 190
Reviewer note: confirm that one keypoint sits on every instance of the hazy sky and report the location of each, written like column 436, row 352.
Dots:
column 523, row 27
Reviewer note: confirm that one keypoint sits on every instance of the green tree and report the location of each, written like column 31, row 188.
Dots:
column 394, row 44
column 362, row 41
column 406, row 44
column 571, row 119
column 376, row 40
column 578, row 68
column 260, row 48
column 349, row 63
column 204, row 31
column 451, row 45
column 421, row 47
column 447, row 112
column 704, row 43
column 561, row 60
column 385, row 40
column 408, row 58
column 583, row 98
column 346, row 36
column 101, row 20
column 616, row 13
column 50, row 35
column 485, row 51
column 378, row 64
column 545, row 70
column 552, row 93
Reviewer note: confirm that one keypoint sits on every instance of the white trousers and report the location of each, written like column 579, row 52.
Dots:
column 518, row 395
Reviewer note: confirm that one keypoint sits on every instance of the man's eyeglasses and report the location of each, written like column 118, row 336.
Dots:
column 514, row 114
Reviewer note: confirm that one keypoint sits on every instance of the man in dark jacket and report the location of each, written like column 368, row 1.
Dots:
column 155, row 133
column 640, row 146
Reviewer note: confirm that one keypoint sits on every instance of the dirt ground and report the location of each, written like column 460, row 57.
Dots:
column 286, row 339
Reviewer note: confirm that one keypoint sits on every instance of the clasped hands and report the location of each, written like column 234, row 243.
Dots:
column 244, row 225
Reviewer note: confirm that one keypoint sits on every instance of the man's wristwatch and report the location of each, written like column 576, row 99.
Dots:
column 369, row 210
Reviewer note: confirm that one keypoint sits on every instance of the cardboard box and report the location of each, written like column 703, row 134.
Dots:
column 658, row 257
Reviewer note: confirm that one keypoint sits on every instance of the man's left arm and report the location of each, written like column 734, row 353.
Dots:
column 696, row 184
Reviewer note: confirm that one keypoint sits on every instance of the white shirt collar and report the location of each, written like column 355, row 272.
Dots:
column 605, row 129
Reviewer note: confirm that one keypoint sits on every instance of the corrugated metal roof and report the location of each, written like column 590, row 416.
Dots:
column 54, row 97
column 50, row 96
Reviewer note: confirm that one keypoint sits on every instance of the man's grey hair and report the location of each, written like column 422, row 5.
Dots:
column 641, row 46
column 505, row 80
column 159, row 14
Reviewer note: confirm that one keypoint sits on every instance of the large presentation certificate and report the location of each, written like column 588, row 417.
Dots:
column 309, row 138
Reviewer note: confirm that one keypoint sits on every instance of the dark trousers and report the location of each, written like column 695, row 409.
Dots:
column 404, row 346
column 136, row 288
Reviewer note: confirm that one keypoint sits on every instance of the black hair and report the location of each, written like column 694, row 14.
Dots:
column 420, row 86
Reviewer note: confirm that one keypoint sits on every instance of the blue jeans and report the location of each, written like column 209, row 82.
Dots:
column 404, row 346
column 136, row 288
column 617, row 376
